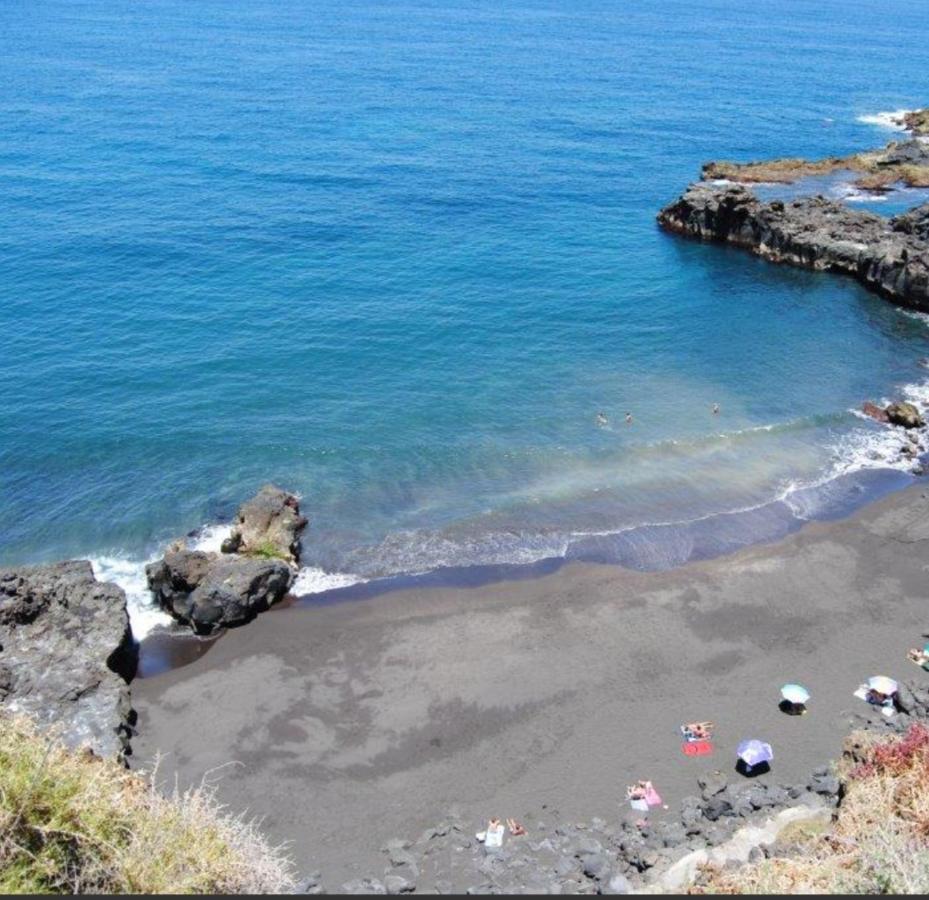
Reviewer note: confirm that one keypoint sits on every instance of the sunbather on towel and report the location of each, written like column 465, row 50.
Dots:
column 697, row 731
column 920, row 657
column 515, row 828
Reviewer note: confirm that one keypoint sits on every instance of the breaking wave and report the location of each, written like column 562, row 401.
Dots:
column 892, row 120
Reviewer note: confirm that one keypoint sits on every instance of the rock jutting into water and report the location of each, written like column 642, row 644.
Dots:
column 889, row 256
column 900, row 162
column 268, row 525
column 905, row 414
column 67, row 654
column 211, row 591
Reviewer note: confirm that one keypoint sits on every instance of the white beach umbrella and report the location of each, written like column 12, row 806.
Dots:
column 795, row 693
column 883, row 685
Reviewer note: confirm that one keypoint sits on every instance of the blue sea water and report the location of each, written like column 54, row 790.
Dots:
column 397, row 255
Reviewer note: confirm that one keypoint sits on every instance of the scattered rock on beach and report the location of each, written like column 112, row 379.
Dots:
column 712, row 784
column 67, row 654
column 268, row 525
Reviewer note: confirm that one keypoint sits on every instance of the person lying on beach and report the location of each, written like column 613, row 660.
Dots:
column 920, row 657
column 879, row 699
column 697, row 731
column 515, row 828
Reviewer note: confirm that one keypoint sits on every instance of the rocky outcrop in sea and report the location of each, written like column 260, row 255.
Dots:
column 255, row 570
column 889, row 256
column 67, row 654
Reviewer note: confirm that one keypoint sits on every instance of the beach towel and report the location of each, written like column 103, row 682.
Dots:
column 494, row 836
column 697, row 748
column 641, row 805
column 651, row 797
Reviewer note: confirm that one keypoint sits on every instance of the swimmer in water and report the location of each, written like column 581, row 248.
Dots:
column 601, row 419
column 715, row 409
column 628, row 418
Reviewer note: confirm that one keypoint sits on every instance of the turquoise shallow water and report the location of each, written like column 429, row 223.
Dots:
column 396, row 256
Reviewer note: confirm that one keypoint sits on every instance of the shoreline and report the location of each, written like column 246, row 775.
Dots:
column 346, row 725
column 711, row 537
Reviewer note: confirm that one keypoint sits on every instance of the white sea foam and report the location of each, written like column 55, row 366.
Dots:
column 851, row 194
column 892, row 120
column 311, row 580
column 129, row 574
column 209, row 538
column 878, row 447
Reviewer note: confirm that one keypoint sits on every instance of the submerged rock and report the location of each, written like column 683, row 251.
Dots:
column 268, row 525
column 875, row 412
column 67, row 654
column 887, row 256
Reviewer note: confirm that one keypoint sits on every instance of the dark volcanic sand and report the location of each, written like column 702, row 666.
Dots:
column 347, row 725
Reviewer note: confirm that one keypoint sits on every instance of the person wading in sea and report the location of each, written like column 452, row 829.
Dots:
column 628, row 418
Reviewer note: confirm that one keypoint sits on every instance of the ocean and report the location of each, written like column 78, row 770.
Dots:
column 396, row 256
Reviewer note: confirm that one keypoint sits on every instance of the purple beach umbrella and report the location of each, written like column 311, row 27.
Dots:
column 754, row 752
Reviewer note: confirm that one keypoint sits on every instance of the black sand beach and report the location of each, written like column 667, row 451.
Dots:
column 345, row 726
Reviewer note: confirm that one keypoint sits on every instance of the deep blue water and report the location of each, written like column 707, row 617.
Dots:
column 396, row 256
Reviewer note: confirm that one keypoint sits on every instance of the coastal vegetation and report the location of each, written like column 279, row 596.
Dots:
column 73, row 822
column 879, row 841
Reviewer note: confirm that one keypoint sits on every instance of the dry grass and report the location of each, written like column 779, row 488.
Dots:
column 879, row 843
column 73, row 823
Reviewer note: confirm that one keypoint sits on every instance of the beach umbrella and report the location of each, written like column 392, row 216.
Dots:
column 795, row 693
column 754, row 752
column 881, row 684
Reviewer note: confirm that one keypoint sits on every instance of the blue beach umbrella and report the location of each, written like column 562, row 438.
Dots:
column 795, row 693
column 754, row 752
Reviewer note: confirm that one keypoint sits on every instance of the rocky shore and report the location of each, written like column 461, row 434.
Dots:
column 67, row 654
column 900, row 162
column 888, row 256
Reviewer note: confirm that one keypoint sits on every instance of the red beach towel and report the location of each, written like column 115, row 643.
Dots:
column 697, row 748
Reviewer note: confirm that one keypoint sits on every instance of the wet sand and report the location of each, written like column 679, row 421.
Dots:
column 346, row 725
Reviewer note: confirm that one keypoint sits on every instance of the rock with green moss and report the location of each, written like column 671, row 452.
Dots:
column 268, row 526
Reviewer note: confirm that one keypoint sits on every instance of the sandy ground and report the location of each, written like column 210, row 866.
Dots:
column 348, row 725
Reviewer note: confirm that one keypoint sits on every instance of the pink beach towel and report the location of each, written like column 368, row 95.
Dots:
column 652, row 798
